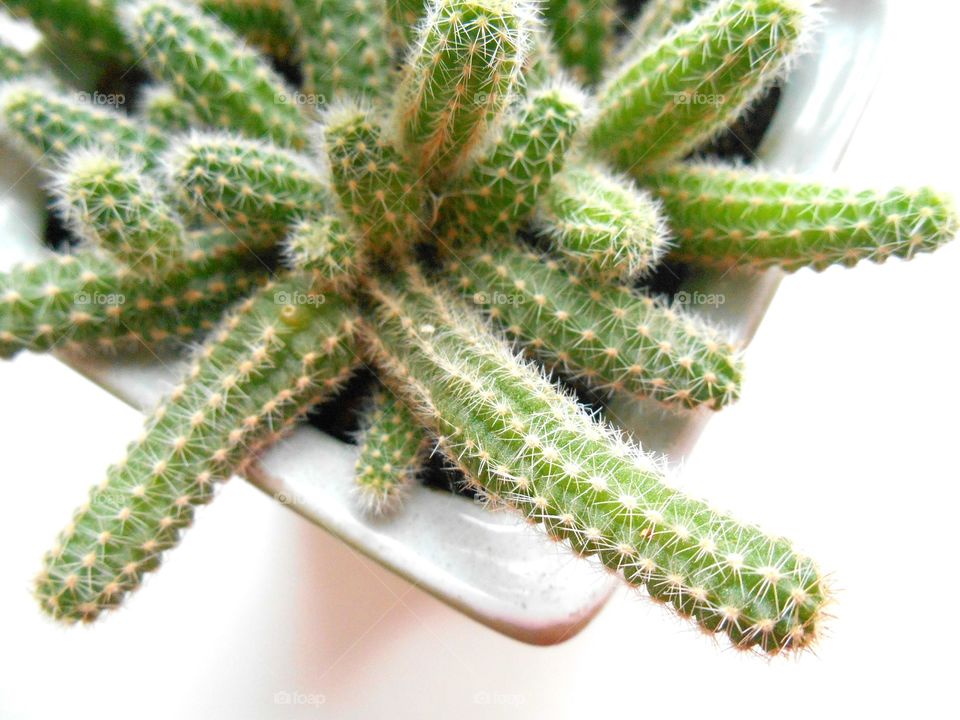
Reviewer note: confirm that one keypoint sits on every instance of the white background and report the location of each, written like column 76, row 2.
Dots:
column 845, row 440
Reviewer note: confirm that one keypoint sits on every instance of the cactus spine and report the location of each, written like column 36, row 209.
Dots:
column 458, row 79
column 389, row 448
column 603, row 333
column 164, row 112
column 272, row 357
column 679, row 92
column 376, row 189
column 111, row 202
column 501, row 188
column 602, row 223
column 731, row 217
column 532, row 447
column 208, row 66
column 325, row 246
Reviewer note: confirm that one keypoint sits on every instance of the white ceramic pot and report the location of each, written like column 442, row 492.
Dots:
column 492, row 566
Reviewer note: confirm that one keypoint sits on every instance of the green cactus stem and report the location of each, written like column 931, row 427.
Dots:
column 734, row 217
column 528, row 445
column 254, row 188
column 376, row 189
column 502, row 187
column 681, row 91
column 47, row 122
column 602, row 223
column 605, row 334
column 227, row 84
column 583, row 32
column 390, row 447
column 458, row 79
column 343, row 49
column 110, row 201
column 274, row 356
column 403, row 17
column 88, row 301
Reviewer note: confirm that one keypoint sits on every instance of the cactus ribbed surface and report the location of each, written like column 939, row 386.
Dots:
column 681, row 91
column 87, row 300
column 48, row 121
column 583, row 32
column 252, row 187
column 731, row 217
column 501, row 188
column 343, row 49
column 459, row 79
column 530, row 446
column 226, row 83
column 378, row 192
column 271, row 359
column 389, row 450
column 602, row 223
column 603, row 333
column 110, row 201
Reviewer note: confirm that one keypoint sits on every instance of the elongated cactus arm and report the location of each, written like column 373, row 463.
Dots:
column 657, row 19
column 458, row 79
column 502, row 187
column 342, row 47
column 110, row 201
column 605, row 334
column 228, row 84
column 48, row 121
column 164, row 112
column 275, row 355
column 254, row 188
column 730, row 217
column 88, row 301
column 390, row 446
column 377, row 191
column 583, row 32
column 681, row 91
column 530, row 446
column 88, row 25
column 602, row 223
column 329, row 248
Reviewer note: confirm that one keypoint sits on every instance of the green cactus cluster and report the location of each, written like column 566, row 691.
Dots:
column 468, row 197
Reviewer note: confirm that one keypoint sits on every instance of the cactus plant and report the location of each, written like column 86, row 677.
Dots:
column 389, row 448
column 416, row 223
